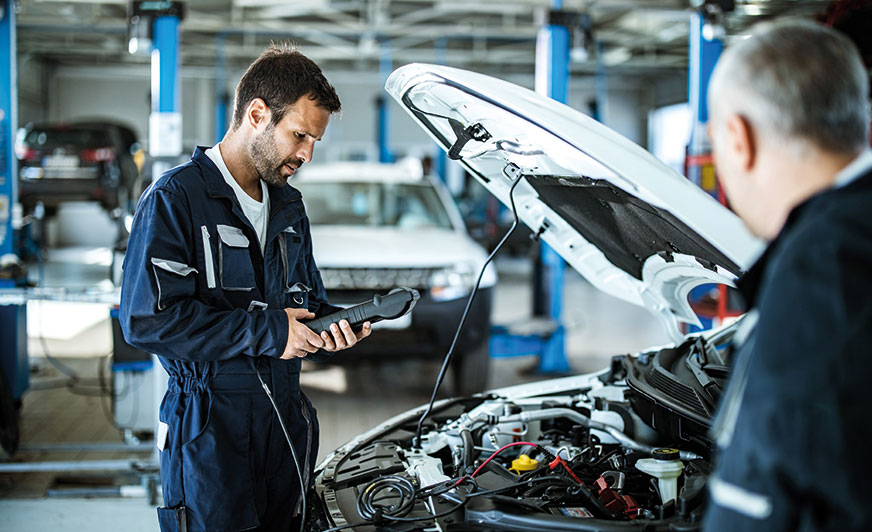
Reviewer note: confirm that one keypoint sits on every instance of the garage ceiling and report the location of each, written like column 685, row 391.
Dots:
column 637, row 36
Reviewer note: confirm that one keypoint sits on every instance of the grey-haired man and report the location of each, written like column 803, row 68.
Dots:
column 789, row 129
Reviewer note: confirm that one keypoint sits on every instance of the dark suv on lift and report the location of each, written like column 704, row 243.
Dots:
column 90, row 161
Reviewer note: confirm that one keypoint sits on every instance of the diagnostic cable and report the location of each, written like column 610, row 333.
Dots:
column 395, row 304
column 447, row 361
column 290, row 443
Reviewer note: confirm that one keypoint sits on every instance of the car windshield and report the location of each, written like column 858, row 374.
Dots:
column 58, row 138
column 401, row 205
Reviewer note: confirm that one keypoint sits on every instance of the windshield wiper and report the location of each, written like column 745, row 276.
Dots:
column 696, row 363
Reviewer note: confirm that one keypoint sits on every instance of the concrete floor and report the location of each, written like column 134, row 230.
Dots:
column 349, row 400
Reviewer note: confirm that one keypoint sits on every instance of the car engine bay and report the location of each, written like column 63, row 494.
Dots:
column 623, row 449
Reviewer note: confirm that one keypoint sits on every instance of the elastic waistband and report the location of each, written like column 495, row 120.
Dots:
column 232, row 382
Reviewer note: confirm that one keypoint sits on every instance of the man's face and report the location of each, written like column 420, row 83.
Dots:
column 278, row 150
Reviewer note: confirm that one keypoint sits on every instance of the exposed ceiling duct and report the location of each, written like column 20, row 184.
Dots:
column 637, row 36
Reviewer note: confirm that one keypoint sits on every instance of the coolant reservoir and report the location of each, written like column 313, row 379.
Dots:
column 666, row 468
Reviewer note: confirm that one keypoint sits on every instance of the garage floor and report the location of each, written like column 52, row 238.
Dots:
column 349, row 400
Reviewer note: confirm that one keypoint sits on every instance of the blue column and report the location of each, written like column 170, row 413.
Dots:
column 386, row 66
column 552, row 71
column 13, row 318
column 703, row 55
column 602, row 83
column 8, row 125
column 221, row 96
column 165, row 123
column 166, row 46
column 440, row 159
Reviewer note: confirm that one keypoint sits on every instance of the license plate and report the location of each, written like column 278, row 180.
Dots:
column 60, row 161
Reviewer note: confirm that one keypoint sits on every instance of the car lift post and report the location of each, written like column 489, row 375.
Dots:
column 386, row 66
column 552, row 79
column 165, row 103
column 440, row 159
column 704, row 51
column 547, row 337
column 165, row 121
column 13, row 318
column 703, row 55
column 222, row 98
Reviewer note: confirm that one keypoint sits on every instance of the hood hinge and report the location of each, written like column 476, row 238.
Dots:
column 472, row 132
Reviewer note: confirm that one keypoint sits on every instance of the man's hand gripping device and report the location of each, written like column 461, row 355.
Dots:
column 396, row 303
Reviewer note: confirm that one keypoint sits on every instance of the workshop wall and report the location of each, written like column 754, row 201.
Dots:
column 123, row 94
column 33, row 76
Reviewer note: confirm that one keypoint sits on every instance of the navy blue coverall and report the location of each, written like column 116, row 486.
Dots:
column 198, row 292
column 794, row 422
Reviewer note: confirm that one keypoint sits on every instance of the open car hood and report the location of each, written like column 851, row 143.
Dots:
column 627, row 222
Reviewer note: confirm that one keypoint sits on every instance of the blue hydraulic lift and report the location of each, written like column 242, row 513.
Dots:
column 165, row 122
column 165, row 146
column 440, row 159
column 383, row 133
column 553, row 356
column 222, row 98
column 704, row 50
column 552, row 78
column 13, row 318
column 703, row 55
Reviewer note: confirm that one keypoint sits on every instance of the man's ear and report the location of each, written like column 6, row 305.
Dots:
column 257, row 113
column 742, row 141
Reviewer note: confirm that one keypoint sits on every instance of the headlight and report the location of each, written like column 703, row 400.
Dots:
column 451, row 283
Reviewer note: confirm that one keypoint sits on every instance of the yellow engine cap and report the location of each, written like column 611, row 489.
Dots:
column 524, row 463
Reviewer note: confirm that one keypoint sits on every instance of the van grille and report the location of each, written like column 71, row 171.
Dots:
column 376, row 278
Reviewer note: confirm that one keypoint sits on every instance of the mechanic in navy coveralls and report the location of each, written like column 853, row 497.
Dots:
column 218, row 276
column 789, row 124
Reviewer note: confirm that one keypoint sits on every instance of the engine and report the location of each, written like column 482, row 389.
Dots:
column 572, row 455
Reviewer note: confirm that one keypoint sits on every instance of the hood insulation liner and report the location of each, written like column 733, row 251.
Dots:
column 626, row 229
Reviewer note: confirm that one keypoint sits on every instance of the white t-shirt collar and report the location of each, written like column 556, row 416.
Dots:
column 257, row 212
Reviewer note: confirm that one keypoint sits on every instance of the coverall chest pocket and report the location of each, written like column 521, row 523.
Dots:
column 290, row 244
column 234, row 261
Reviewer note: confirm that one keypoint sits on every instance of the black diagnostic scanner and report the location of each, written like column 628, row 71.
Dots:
column 396, row 303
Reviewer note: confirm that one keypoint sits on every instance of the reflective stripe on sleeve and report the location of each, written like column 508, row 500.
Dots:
column 740, row 500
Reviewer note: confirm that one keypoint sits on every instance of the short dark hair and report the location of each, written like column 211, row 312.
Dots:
column 280, row 77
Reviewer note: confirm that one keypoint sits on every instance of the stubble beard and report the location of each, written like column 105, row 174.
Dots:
column 268, row 164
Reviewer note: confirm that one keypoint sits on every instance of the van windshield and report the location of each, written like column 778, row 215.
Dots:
column 401, row 205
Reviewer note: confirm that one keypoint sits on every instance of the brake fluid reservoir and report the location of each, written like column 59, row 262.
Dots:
column 666, row 468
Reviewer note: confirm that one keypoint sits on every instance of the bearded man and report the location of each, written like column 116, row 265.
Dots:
column 218, row 280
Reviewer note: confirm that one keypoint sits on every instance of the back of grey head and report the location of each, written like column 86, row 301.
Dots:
column 796, row 80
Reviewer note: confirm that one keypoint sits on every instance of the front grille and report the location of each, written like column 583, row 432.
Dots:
column 376, row 278
column 677, row 390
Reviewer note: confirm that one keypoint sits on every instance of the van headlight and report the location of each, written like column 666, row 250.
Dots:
column 453, row 282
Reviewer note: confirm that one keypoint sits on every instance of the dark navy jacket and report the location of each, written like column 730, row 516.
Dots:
column 198, row 292
column 794, row 424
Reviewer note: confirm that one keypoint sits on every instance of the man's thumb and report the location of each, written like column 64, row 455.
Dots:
column 299, row 313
